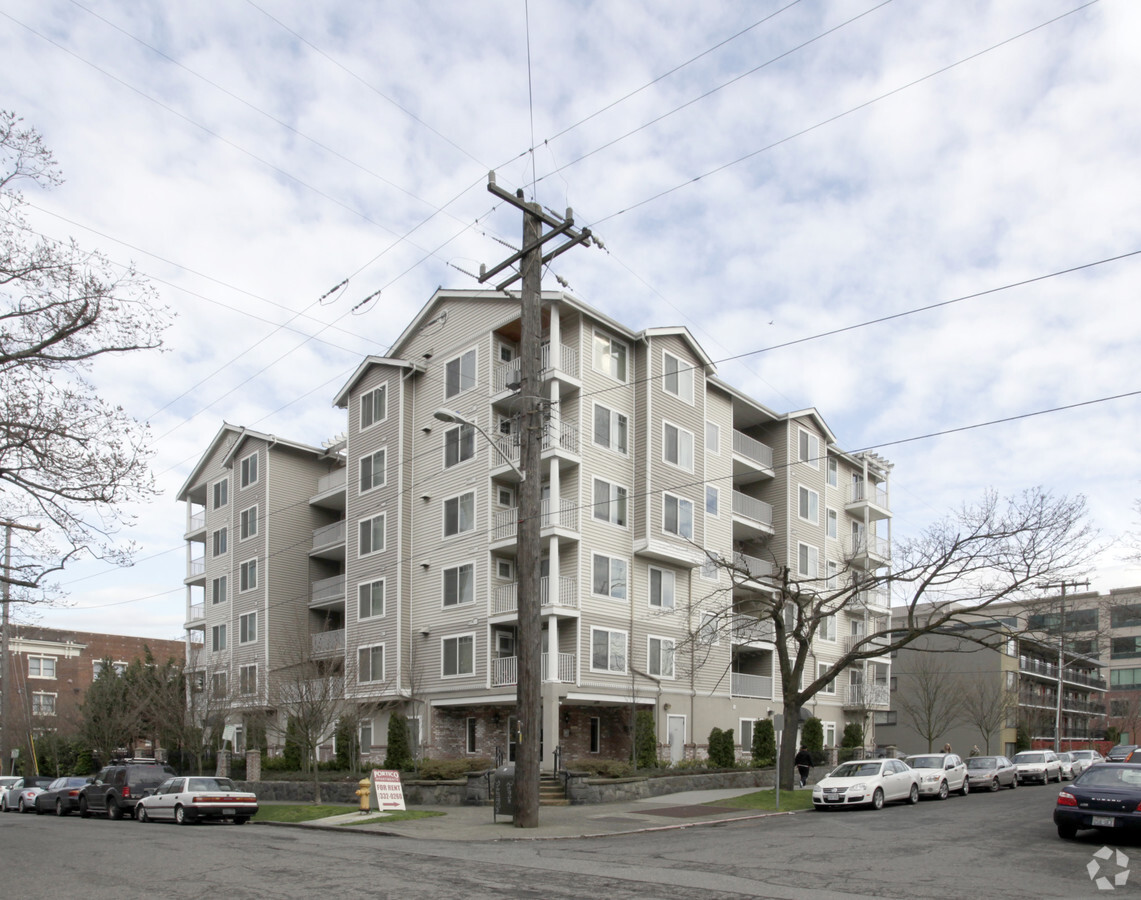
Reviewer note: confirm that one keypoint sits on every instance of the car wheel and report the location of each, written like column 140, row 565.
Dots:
column 84, row 812
column 21, row 807
column 39, row 810
column 944, row 791
column 1014, row 782
column 1067, row 832
column 994, row 785
column 114, row 811
column 966, row 789
column 59, row 810
column 913, row 797
column 180, row 816
column 877, row 799
column 141, row 813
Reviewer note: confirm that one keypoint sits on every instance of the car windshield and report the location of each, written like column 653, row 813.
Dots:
column 857, row 770
column 1030, row 758
column 1110, row 776
column 1065, row 757
column 982, row 762
column 1082, row 754
column 211, row 784
column 925, row 762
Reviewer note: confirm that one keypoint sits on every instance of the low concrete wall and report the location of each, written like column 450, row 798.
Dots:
column 582, row 788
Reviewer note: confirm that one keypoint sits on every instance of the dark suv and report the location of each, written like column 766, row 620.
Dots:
column 116, row 789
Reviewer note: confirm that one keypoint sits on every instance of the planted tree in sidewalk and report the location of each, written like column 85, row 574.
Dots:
column 986, row 703
column 930, row 698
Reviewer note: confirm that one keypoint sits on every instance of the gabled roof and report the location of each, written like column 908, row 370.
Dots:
column 811, row 413
column 684, row 333
column 342, row 398
column 239, row 435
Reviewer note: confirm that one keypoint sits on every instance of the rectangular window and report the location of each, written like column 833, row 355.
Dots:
column 707, row 632
column 661, row 588
column 609, row 502
column 371, row 535
column 459, row 585
column 470, row 732
column 826, row 630
column 885, row 717
column 248, row 679
column 1125, row 647
column 41, row 667
column 661, row 657
column 370, row 600
column 833, row 472
column 372, row 470
column 459, row 374
column 459, row 514
column 677, row 446
column 248, row 574
column 677, row 377
column 595, row 734
column 809, row 449
column 504, row 569
column 610, row 356
column 250, row 470
column 809, row 505
column 459, row 655
column 808, row 561
column 43, row 704
column 607, row 650
column 249, row 522
column 1125, row 616
column 833, row 524
column 611, row 429
column 219, row 542
column 218, row 686
column 370, row 664
column 609, row 578
column 221, row 490
column 218, row 638
column 459, row 444
column 505, row 497
column 374, row 406
column 218, row 590
column 247, row 628
column 365, row 735
column 712, row 438
column 712, row 500
column 678, row 516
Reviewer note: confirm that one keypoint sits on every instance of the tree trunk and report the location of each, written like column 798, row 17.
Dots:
column 788, row 745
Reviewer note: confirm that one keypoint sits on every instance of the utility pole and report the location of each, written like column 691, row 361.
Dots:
column 529, row 681
column 6, row 582
column 1061, row 653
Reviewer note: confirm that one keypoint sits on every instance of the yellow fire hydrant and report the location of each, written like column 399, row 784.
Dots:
column 364, row 790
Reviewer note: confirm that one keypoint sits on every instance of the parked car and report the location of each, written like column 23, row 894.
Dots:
column 116, row 789
column 1103, row 796
column 1118, row 753
column 22, row 795
column 61, row 796
column 193, row 799
column 991, row 772
column 1038, row 765
column 940, row 773
column 870, row 782
column 1066, row 762
column 1083, row 759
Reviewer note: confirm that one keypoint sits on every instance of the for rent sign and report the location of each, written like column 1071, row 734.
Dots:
column 386, row 786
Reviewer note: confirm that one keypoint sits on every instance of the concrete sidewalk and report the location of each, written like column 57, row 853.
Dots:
column 476, row 823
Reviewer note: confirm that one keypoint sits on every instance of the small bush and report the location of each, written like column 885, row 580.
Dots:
column 645, row 741
column 764, row 742
column 602, row 768
column 278, row 764
column 399, row 755
column 812, row 736
column 721, row 752
column 447, row 769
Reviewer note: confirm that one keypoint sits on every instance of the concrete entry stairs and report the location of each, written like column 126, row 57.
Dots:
column 552, row 791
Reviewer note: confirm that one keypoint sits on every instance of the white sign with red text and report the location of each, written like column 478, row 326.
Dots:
column 387, row 788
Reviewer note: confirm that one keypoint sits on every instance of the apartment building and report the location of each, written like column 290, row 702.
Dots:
column 390, row 553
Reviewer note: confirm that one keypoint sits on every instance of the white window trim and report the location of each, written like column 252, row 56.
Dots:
column 813, row 457
column 830, row 624
column 609, row 575
column 673, row 657
column 242, row 688
column 458, row 430
column 42, row 695
column 666, row 574
column 444, row 581
column 214, row 551
column 613, row 340
column 383, row 535
column 708, row 618
column 812, row 549
column 243, row 566
column 613, row 418
column 243, row 468
column 809, row 493
column 500, row 491
column 219, row 639
column 474, row 352
column 717, row 494
column 443, row 654
column 41, row 659
column 831, row 517
column 833, row 469
column 712, row 451
column 682, row 433
column 625, row 654
column 383, row 388
column 692, row 517
column 823, row 668
column 444, row 518
column 243, row 618
column 510, row 576
column 214, row 493
column 244, row 519
column 611, row 504
column 384, row 603
column 381, row 451
column 372, row 679
column 685, row 377
column 225, row 581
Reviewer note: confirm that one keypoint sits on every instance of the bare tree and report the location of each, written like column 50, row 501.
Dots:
column 990, row 552
column 986, row 704
column 69, row 460
column 931, row 700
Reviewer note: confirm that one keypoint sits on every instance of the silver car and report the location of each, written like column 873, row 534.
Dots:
column 1083, row 759
column 989, row 773
column 1038, row 765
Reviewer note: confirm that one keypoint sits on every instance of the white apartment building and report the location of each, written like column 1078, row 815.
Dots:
column 390, row 555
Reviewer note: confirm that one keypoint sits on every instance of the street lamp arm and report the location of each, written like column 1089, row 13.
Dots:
column 450, row 415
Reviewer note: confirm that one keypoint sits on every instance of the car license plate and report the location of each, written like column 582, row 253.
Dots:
column 1103, row 821
column 229, row 812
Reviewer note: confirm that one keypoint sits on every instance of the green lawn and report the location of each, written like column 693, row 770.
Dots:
column 766, row 800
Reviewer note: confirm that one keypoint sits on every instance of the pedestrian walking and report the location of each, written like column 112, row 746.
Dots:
column 803, row 765
column 975, row 751
column 947, row 747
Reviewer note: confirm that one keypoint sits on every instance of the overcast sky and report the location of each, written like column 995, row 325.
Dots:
column 768, row 174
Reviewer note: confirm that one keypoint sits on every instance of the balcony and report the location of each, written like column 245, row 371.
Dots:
column 752, row 518
column 196, row 525
column 505, row 670
column 196, row 615
column 562, row 365
column 867, row 496
column 1032, row 666
column 871, row 643
column 505, row 597
column 559, row 436
column 329, row 541
column 866, row 696
column 752, row 571
column 758, row 686
column 868, row 551
column 748, row 629
column 874, row 598
column 196, row 571
column 752, row 460
column 314, row 690
column 328, row 643
column 327, row 592
column 559, row 515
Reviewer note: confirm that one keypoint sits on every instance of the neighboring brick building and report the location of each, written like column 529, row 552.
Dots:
column 50, row 671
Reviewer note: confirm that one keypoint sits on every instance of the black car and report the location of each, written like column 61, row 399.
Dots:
column 61, row 796
column 116, row 789
column 1120, row 752
column 1103, row 796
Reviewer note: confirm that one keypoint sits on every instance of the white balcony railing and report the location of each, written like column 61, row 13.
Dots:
column 867, row 492
column 505, row 670
column 197, row 521
column 328, row 589
column 869, row 545
column 325, row 642
column 753, row 568
column 196, row 566
column 750, row 628
column 505, row 597
column 197, row 612
column 866, row 695
column 335, row 480
column 553, row 513
column 329, row 535
column 566, row 362
column 752, row 508
column 560, row 435
column 752, row 449
column 743, row 685
column 876, row 640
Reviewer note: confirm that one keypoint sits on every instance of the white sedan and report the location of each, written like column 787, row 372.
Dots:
column 940, row 773
column 21, row 796
column 870, row 782
column 196, row 798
